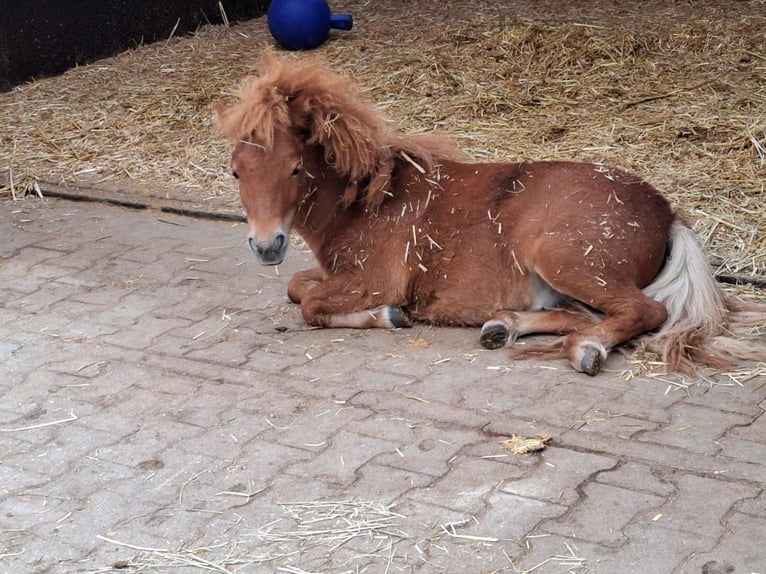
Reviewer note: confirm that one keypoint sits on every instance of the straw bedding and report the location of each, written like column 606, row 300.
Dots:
column 675, row 91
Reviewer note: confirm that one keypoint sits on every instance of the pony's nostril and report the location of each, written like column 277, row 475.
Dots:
column 252, row 244
column 279, row 241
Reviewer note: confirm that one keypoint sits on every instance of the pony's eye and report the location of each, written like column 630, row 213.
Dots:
column 235, row 174
column 297, row 170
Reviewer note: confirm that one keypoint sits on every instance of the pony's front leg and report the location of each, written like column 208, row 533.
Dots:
column 338, row 302
column 303, row 281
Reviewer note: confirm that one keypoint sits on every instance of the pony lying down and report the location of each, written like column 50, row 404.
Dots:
column 404, row 231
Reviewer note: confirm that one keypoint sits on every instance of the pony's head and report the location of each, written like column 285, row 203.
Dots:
column 289, row 105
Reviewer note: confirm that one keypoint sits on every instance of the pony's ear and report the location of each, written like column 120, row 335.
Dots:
column 219, row 111
column 349, row 133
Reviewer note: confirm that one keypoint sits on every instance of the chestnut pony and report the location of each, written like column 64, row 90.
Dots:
column 403, row 231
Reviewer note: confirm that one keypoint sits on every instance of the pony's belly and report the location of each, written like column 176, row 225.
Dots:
column 473, row 301
column 543, row 296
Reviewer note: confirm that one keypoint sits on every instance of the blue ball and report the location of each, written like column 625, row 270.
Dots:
column 299, row 24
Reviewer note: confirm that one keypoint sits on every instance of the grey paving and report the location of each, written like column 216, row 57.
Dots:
column 164, row 409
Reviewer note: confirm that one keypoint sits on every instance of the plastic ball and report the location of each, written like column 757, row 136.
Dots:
column 303, row 24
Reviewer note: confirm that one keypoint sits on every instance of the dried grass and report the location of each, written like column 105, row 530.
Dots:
column 334, row 523
column 674, row 91
column 322, row 525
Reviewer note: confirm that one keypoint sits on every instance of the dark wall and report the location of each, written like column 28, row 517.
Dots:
column 45, row 37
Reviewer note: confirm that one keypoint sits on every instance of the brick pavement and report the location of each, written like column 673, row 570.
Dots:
column 164, row 409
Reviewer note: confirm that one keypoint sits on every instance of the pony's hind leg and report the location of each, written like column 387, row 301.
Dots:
column 587, row 340
column 628, row 315
column 506, row 326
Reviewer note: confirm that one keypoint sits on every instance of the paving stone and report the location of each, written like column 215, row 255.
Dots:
column 14, row 479
column 701, row 504
column 265, row 460
column 553, row 554
column 638, row 477
column 43, row 554
column 340, row 457
column 147, row 444
column 191, row 302
column 478, row 557
column 695, row 428
column 753, row 431
column 738, row 398
column 50, row 326
column 24, row 259
column 143, row 333
column 497, row 395
column 466, row 485
column 567, row 404
column 68, row 445
column 18, row 287
column 424, row 449
column 43, row 298
column 602, row 514
column 331, row 365
column 654, row 548
column 558, row 475
column 740, row 550
column 230, row 346
column 385, row 484
column 615, row 424
column 418, row 410
column 337, row 392
column 279, row 415
column 511, row 517
column 316, row 425
column 105, row 298
column 446, row 384
column 646, row 400
column 272, row 358
column 743, row 449
column 755, row 506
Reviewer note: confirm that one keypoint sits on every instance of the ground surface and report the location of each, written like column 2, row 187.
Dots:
column 164, row 409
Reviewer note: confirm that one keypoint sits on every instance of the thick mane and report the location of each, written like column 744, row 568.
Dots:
column 301, row 94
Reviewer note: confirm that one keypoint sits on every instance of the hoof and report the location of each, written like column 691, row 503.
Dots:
column 590, row 364
column 494, row 335
column 399, row 317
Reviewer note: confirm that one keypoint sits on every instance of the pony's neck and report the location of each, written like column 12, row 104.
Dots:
column 322, row 211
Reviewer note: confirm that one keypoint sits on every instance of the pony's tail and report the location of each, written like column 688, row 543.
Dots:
column 702, row 321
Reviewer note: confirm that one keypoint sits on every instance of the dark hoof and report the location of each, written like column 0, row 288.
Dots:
column 400, row 317
column 494, row 335
column 591, row 361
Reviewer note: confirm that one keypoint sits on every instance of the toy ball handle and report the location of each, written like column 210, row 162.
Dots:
column 341, row 21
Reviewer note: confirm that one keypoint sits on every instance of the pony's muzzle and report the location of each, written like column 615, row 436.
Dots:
column 270, row 252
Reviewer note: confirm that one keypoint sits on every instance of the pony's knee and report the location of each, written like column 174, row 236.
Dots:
column 655, row 315
column 639, row 316
column 294, row 292
column 301, row 283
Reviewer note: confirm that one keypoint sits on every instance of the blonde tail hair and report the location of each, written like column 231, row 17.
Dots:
column 702, row 322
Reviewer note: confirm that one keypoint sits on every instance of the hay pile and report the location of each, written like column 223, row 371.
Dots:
column 673, row 91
